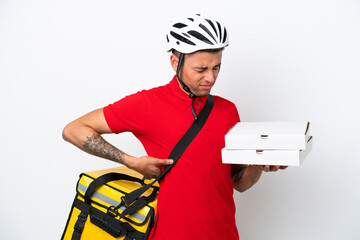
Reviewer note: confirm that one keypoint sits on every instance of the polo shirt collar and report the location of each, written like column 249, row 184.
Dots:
column 179, row 93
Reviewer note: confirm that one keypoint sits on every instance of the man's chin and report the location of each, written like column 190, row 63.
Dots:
column 202, row 93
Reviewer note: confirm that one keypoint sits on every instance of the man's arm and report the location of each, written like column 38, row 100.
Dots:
column 85, row 133
column 245, row 176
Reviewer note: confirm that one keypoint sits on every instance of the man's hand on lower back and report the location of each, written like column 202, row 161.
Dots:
column 147, row 166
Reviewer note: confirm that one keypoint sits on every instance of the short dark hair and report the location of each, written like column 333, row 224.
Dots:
column 177, row 53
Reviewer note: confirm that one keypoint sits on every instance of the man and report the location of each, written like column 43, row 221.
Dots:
column 196, row 197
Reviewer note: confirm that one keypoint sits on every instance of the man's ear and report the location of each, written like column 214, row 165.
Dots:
column 174, row 60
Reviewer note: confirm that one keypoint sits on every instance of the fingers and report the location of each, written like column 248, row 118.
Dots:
column 270, row 168
column 153, row 167
column 266, row 168
column 151, row 173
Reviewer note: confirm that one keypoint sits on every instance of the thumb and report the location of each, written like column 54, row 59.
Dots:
column 165, row 162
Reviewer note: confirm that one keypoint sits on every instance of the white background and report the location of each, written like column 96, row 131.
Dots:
column 287, row 60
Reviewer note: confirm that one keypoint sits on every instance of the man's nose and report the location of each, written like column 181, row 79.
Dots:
column 210, row 76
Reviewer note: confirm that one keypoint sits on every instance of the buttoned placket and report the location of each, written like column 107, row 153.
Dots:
column 198, row 104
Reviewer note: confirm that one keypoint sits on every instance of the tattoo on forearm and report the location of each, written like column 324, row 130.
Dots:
column 98, row 146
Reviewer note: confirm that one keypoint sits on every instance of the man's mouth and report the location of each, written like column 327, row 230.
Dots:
column 207, row 87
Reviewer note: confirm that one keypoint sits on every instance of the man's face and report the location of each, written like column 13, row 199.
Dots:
column 200, row 70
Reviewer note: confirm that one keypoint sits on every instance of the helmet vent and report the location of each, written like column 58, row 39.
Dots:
column 167, row 38
column 179, row 25
column 219, row 26
column 207, row 31
column 191, row 19
column 200, row 37
column 225, row 35
column 181, row 38
column 186, row 35
column 212, row 25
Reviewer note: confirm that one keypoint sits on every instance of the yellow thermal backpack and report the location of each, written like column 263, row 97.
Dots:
column 100, row 216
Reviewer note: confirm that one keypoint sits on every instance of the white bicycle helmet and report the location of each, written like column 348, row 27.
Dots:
column 197, row 32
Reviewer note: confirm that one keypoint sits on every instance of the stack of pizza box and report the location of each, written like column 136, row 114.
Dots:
column 267, row 143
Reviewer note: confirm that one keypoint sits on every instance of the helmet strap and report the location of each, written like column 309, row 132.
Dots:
column 186, row 88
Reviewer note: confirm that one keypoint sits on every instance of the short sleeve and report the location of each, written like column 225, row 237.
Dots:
column 127, row 114
column 235, row 116
column 232, row 116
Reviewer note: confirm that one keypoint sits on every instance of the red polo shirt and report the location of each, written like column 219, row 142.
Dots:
column 196, row 197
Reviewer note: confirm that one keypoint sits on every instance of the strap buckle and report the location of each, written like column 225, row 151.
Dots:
column 80, row 223
column 113, row 211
